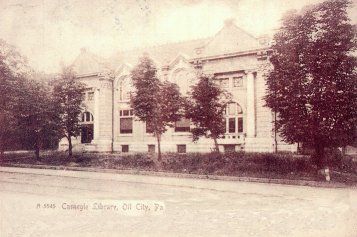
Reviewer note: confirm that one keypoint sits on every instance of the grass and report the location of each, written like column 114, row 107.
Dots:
column 263, row 165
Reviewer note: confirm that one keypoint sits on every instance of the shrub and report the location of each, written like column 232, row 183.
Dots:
column 236, row 163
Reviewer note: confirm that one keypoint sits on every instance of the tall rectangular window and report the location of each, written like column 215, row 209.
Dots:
column 240, row 125
column 232, row 125
column 126, row 121
column 126, row 125
column 182, row 125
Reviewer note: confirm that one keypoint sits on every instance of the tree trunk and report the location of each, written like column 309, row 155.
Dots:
column 70, row 147
column 275, row 135
column 37, row 147
column 2, row 149
column 2, row 146
column 216, row 147
column 37, row 152
column 1, row 154
column 158, row 137
column 319, row 156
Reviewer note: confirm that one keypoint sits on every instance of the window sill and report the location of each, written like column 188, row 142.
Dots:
column 181, row 133
column 125, row 134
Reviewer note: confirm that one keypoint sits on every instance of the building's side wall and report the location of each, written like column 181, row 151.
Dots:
column 108, row 103
column 104, row 110
column 261, row 141
column 100, row 106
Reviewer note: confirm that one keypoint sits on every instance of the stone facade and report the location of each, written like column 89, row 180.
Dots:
column 238, row 61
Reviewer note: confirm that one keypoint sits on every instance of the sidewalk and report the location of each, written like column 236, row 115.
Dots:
column 161, row 178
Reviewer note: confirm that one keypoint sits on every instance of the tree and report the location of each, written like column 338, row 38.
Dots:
column 13, row 69
column 312, row 86
column 154, row 102
column 69, row 94
column 7, row 88
column 39, row 119
column 205, row 108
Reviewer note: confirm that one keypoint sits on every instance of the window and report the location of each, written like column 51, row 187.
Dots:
column 237, row 81
column 234, row 118
column 90, row 95
column 184, row 79
column 181, row 148
column 232, row 109
column 126, row 113
column 222, row 82
column 125, row 89
column 124, row 148
column 232, row 125
column 126, row 125
column 182, row 125
column 86, row 133
column 87, row 117
column 240, row 125
column 126, row 121
column 87, row 127
column 151, row 149
column 229, row 148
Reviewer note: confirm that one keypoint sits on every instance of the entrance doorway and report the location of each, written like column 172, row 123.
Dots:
column 87, row 133
column 87, row 128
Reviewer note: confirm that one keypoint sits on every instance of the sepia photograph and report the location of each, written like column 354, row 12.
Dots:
column 178, row 118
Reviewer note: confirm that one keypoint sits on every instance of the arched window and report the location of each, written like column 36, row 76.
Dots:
column 234, row 118
column 184, row 79
column 125, row 89
column 87, row 127
column 87, row 117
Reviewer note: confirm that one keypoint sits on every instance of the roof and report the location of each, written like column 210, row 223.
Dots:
column 89, row 63
column 230, row 39
column 162, row 54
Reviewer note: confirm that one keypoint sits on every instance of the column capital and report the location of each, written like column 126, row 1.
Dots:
column 250, row 71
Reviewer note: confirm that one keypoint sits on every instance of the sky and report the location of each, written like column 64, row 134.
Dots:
column 50, row 33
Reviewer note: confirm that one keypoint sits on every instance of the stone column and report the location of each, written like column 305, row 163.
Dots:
column 96, row 113
column 250, row 104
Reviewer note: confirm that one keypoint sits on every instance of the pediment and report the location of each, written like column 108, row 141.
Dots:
column 180, row 59
column 123, row 69
column 230, row 39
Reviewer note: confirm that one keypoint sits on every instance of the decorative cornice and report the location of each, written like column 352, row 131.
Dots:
column 88, row 75
column 230, row 55
column 250, row 70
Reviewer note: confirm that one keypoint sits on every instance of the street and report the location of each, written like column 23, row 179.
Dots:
column 71, row 203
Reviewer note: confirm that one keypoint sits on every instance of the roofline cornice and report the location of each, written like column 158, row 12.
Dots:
column 229, row 55
column 88, row 75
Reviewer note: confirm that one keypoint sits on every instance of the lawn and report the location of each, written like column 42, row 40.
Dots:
column 258, row 165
